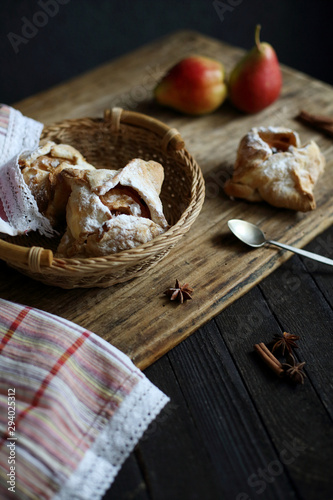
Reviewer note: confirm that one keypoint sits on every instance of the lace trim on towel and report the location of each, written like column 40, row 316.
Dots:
column 103, row 460
column 20, row 134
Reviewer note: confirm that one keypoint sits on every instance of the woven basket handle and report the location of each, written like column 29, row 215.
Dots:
column 169, row 136
column 34, row 257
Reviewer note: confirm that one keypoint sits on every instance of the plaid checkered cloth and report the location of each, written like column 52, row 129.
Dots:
column 72, row 407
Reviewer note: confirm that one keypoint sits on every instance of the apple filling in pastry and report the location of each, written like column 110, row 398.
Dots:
column 106, row 211
column 272, row 166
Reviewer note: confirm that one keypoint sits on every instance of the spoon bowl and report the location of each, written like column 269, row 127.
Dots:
column 246, row 232
column 252, row 235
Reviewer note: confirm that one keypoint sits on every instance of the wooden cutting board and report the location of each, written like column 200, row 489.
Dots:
column 136, row 317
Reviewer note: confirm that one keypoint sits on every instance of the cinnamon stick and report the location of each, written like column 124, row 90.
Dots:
column 269, row 358
column 319, row 122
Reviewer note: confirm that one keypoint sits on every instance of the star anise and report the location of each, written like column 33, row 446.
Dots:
column 179, row 292
column 294, row 370
column 284, row 342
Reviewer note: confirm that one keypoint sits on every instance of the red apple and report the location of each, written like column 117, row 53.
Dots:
column 195, row 86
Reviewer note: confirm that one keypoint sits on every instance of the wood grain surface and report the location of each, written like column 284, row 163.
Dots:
column 136, row 317
column 233, row 430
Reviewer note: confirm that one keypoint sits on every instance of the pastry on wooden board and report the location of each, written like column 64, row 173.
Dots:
column 106, row 211
column 272, row 166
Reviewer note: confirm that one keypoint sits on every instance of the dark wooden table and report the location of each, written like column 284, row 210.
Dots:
column 233, row 430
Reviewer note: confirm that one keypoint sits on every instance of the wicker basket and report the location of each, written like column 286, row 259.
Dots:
column 111, row 142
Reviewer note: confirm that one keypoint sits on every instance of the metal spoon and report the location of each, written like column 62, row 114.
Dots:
column 251, row 235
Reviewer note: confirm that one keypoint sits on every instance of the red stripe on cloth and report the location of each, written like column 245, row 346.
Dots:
column 13, row 327
column 5, row 109
column 54, row 370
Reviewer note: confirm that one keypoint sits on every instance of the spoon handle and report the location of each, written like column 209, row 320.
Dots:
column 310, row 255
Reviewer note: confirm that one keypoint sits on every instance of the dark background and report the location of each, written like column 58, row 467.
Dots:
column 86, row 33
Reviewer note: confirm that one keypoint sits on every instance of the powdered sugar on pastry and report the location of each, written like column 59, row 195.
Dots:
column 106, row 211
column 41, row 170
column 145, row 177
column 85, row 212
column 52, row 154
column 109, row 211
column 122, row 233
column 272, row 166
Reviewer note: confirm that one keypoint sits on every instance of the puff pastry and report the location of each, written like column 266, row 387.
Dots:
column 41, row 171
column 106, row 211
column 272, row 166
column 113, row 210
